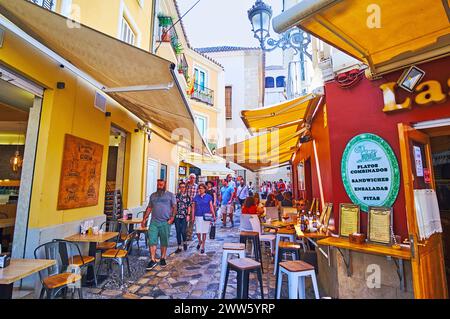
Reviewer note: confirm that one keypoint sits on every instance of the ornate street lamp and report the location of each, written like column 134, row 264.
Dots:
column 260, row 15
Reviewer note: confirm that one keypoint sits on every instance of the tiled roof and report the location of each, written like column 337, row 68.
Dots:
column 225, row 48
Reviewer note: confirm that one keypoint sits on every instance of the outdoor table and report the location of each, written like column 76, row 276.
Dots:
column 93, row 240
column 131, row 223
column 345, row 247
column 312, row 237
column 19, row 269
column 5, row 223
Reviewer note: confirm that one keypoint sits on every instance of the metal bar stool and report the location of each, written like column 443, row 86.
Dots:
column 243, row 268
column 296, row 271
column 281, row 235
column 254, row 238
column 286, row 247
column 229, row 249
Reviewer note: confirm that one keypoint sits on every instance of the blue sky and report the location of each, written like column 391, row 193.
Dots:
column 224, row 22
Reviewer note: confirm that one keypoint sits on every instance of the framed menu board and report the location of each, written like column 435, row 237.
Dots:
column 349, row 221
column 379, row 223
column 80, row 173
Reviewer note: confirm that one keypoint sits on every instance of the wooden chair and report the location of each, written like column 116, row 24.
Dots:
column 73, row 251
column 63, row 275
column 119, row 255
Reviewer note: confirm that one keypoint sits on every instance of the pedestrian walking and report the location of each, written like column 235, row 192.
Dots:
column 182, row 216
column 212, row 192
column 162, row 207
column 242, row 193
column 226, row 203
column 192, row 191
column 202, row 207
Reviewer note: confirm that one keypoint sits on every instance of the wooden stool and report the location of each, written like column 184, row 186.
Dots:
column 282, row 234
column 229, row 249
column 296, row 271
column 254, row 237
column 243, row 268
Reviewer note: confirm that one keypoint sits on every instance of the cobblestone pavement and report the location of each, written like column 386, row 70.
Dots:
column 188, row 275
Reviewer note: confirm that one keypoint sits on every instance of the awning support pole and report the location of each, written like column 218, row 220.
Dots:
column 139, row 88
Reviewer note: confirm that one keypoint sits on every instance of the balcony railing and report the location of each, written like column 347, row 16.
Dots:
column 47, row 4
column 203, row 94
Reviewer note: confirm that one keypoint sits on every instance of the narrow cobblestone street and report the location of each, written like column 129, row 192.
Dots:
column 188, row 275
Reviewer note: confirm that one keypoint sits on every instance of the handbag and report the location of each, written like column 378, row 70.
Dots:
column 208, row 217
column 212, row 231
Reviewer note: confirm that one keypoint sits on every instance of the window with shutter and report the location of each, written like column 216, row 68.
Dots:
column 228, row 102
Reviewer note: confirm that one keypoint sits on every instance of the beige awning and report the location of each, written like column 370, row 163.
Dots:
column 212, row 169
column 387, row 35
column 295, row 110
column 117, row 66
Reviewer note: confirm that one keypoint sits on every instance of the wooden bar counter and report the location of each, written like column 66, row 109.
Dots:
column 366, row 271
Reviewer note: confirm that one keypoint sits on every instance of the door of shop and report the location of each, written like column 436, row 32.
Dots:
column 428, row 268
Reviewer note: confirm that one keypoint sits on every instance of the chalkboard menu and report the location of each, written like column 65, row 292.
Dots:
column 370, row 171
column 80, row 173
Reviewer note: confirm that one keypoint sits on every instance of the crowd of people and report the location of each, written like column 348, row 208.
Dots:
column 200, row 205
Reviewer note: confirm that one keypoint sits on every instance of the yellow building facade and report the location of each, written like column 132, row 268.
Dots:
column 62, row 100
column 201, row 77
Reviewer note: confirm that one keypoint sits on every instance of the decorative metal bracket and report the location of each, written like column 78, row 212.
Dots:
column 400, row 272
column 346, row 256
column 292, row 39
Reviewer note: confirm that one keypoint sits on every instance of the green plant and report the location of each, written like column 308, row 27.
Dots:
column 178, row 48
column 164, row 21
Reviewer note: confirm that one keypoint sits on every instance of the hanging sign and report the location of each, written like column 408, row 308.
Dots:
column 370, row 171
column 427, row 175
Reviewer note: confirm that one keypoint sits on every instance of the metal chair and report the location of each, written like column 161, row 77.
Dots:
column 119, row 255
column 5, row 237
column 61, row 276
column 113, row 226
column 77, row 258
column 142, row 230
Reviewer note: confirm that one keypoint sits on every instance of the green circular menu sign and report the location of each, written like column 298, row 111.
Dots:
column 370, row 171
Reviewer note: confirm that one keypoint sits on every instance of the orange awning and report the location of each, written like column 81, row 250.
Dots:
column 273, row 148
column 291, row 111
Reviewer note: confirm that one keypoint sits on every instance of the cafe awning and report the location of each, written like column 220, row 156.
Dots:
column 212, row 169
column 143, row 83
column 295, row 110
column 270, row 149
column 387, row 35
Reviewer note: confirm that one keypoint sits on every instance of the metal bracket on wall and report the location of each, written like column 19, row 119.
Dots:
column 400, row 272
column 347, row 257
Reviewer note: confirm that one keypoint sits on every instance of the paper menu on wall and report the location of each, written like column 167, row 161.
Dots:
column 427, row 213
column 418, row 160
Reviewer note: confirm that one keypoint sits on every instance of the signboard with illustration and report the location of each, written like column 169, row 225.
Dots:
column 370, row 171
column 80, row 173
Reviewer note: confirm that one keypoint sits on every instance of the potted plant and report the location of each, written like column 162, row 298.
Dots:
column 165, row 22
column 178, row 48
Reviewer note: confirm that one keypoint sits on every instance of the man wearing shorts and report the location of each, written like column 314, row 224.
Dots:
column 162, row 205
column 226, row 193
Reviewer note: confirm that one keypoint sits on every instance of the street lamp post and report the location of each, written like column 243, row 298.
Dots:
column 260, row 16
